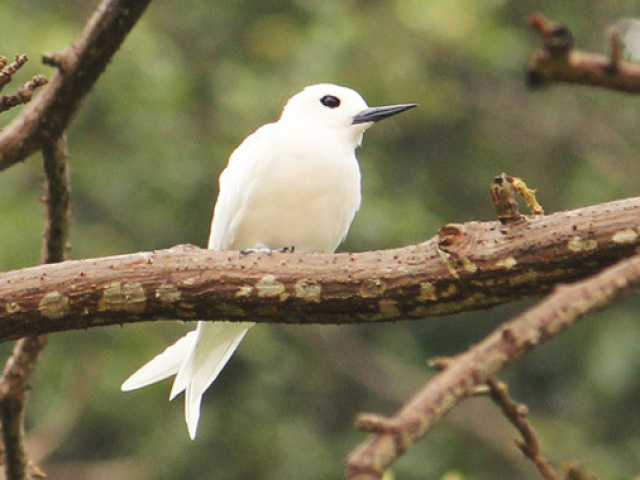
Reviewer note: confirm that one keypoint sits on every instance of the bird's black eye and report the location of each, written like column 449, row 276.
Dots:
column 330, row 101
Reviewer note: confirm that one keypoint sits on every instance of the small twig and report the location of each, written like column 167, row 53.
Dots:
column 517, row 414
column 503, row 196
column 7, row 71
column 56, row 198
column 13, row 388
column 616, row 50
column 24, row 93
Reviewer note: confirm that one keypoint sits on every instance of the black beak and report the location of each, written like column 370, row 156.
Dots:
column 374, row 114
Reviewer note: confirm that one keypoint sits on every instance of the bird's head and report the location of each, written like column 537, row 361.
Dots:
column 340, row 108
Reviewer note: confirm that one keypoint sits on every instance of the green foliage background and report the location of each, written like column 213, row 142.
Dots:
column 191, row 82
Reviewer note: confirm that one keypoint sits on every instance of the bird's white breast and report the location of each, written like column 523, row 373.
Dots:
column 302, row 190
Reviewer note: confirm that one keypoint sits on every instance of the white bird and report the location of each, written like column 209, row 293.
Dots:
column 294, row 183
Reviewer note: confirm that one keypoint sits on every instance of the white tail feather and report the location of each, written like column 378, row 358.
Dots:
column 215, row 344
column 196, row 359
column 162, row 365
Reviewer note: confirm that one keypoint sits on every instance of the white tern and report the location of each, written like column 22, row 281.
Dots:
column 294, row 183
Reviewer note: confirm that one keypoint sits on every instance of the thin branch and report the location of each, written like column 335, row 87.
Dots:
column 13, row 388
column 25, row 91
column 57, row 200
column 23, row 95
column 465, row 372
column 518, row 415
column 467, row 266
column 79, row 67
column 8, row 70
column 19, row 369
column 558, row 61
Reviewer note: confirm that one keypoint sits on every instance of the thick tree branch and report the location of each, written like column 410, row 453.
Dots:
column 558, row 61
column 467, row 266
column 79, row 67
column 462, row 374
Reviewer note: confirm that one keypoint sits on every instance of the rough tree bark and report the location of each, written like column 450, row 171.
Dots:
column 467, row 266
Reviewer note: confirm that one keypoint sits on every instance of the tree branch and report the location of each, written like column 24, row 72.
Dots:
column 558, row 61
column 25, row 91
column 79, row 67
column 517, row 414
column 19, row 369
column 57, row 200
column 462, row 374
column 467, row 266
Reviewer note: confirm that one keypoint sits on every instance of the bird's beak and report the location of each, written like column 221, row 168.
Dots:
column 374, row 114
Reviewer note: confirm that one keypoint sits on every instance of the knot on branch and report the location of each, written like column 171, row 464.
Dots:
column 399, row 432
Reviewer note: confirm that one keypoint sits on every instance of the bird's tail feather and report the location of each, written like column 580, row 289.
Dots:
column 161, row 366
column 196, row 360
column 213, row 348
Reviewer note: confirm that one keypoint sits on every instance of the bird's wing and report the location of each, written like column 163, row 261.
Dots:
column 244, row 164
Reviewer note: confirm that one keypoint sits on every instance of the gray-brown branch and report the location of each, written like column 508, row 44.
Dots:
column 463, row 373
column 19, row 369
column 78, row 68
column 467, row 266
column 558, row 61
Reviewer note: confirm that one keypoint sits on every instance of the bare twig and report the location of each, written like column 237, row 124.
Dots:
column 79, row 67
column 7, row 71
column 13, row 388
column 559, row 311
column 616, row 49
column 24, row 93
column 20, row 367
column 558, row 61
column 56, row 198
column 518, row 415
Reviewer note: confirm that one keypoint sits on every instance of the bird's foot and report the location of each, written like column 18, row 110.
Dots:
column 267, row 250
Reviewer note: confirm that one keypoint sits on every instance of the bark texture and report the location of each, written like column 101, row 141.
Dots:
column 467, row 266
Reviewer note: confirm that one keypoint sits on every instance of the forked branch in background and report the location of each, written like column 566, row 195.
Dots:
column 19, row 368
column 78, row 68
column 559, row 61
column 461, row 375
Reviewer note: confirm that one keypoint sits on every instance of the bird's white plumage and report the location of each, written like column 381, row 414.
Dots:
column 292, row 183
